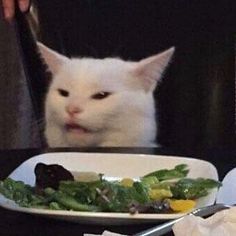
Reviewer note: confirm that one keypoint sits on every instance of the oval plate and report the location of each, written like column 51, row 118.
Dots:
column 111, row 165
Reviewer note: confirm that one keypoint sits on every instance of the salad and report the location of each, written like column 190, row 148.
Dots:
column 162, row 191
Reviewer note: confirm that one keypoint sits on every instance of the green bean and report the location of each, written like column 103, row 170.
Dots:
column 71, row 204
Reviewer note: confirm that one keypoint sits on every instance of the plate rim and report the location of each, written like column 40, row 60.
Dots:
column 188, row 158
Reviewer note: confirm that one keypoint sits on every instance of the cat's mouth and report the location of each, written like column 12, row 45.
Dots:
column 75, row 128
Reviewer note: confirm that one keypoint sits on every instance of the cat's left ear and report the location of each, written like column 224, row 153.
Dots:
column 53, row 59
column 150, row 70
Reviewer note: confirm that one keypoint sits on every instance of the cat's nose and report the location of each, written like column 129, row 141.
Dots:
column 72, row 110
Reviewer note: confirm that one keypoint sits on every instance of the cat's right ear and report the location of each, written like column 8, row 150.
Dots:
column 150, row 70
column 53, row 59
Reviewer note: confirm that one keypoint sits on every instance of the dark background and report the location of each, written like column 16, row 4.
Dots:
column 196, row 99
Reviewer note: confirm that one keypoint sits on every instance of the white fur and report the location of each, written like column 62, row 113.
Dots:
column 125, row 118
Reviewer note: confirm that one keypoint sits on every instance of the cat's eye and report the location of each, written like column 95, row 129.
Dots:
column 63, row 92
column 101, row 95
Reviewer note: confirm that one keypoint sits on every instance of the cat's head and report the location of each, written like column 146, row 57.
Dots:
column 90, row 98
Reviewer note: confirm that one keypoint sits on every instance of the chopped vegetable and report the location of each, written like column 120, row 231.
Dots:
column 149, row 180
column 159, row 194
column 50, row 175
column 153, row 193
column 127, row 182
column 193, row 188
column 182, row 205
column 68, row 201
column 180, row 171
column 21, row 193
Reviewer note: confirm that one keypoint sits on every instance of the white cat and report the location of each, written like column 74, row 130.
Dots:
column 102, row 102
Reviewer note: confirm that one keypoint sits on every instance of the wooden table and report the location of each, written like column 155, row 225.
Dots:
column 21, row 224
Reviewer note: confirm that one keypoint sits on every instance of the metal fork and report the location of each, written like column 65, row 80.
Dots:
column 167, row 227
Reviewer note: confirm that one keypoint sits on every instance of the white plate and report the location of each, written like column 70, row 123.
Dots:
column 110, row 164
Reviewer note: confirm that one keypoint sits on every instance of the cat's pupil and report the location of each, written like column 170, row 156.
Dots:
column 63, row 92
column 100, row 95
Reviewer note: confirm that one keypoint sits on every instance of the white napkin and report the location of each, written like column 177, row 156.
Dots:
column 222, row 223
column 105, row 233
